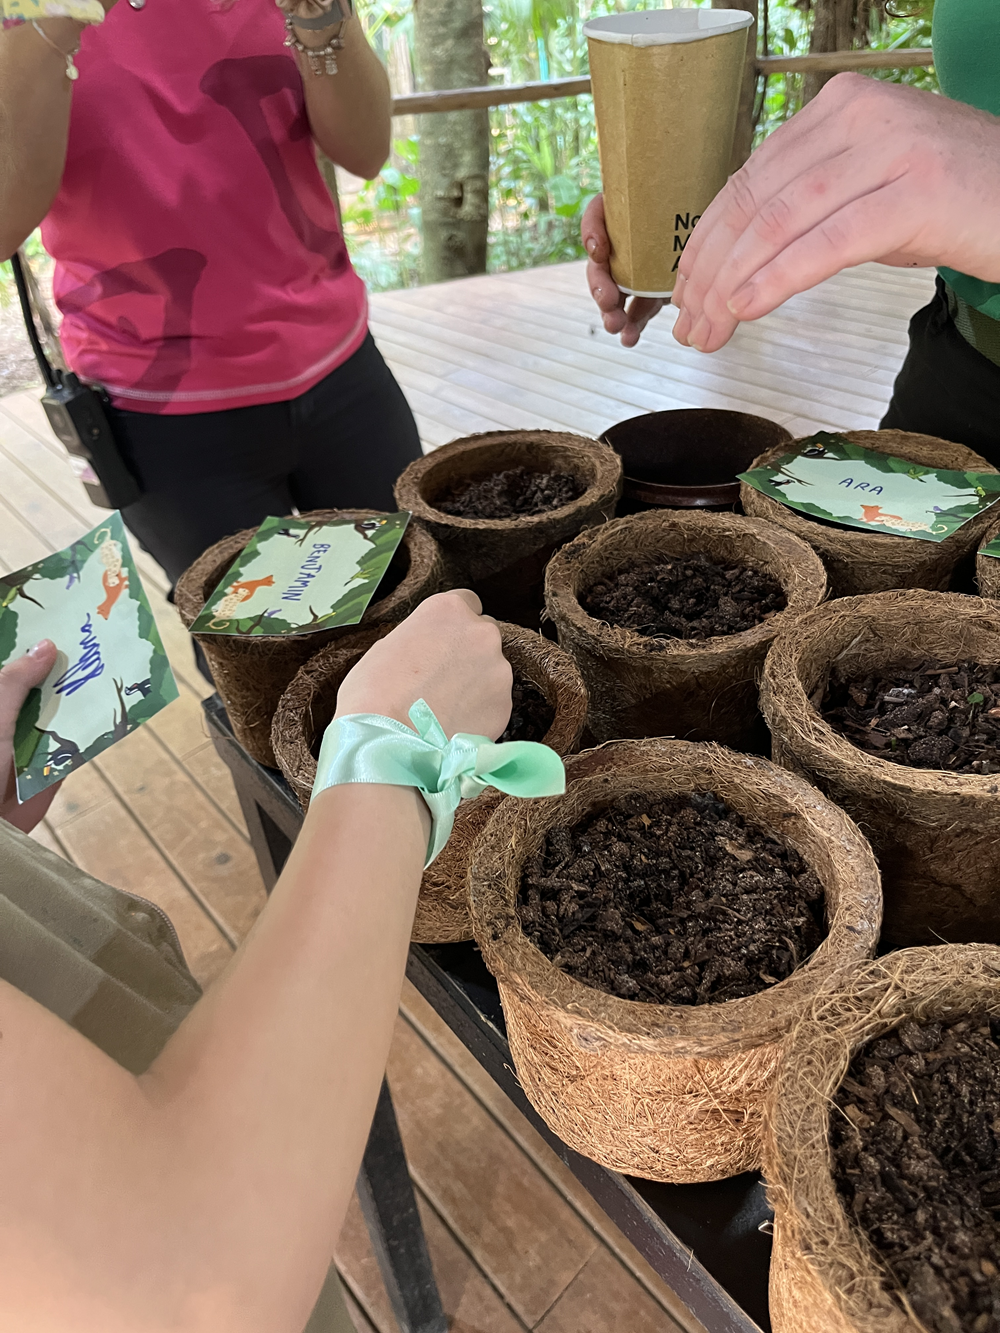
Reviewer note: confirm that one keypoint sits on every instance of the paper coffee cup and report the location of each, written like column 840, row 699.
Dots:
column 666, row 91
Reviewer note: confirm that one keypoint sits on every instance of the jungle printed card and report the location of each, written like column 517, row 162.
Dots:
column 297, row 576
column 835, row 480
column 111, row 674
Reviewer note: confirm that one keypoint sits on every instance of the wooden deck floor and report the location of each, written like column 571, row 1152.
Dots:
column 515, row 1242
column 526, row 349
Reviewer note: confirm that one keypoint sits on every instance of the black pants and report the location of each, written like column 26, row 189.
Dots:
column 341, row 445
column 945, row 387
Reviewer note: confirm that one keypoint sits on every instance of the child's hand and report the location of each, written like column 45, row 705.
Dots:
column 17, row 679
column 448, row 653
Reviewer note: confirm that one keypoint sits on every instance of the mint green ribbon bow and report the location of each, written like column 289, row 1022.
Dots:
column 365, row 747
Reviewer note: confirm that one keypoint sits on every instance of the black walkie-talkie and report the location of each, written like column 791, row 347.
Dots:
column 76, row 415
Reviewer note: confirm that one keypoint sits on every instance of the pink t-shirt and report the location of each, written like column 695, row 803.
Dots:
column 199, row 260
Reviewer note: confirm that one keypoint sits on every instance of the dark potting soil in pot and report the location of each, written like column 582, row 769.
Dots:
column 516, row 493
column 671, row 901
column 531, row 713
column 689, row 597
column 937, row 717
column 916, row 1159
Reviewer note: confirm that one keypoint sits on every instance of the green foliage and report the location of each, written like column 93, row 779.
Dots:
column 544, row 172
column 906, row 23
column 382, row 222
column 35, row 251
column 544, row 164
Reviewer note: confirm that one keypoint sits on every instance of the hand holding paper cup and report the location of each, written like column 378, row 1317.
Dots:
column 666, row 91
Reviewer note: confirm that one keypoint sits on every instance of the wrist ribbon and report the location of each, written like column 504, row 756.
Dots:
column 16, row 12
column 366, row 747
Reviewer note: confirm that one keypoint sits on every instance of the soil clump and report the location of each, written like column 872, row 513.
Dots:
column 671, row 901
column 915, row 1140
column 938, row 717
column 685, row 598
column 531, row 713
column 516, row 492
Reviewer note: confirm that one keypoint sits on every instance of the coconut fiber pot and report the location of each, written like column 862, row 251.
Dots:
column 936, row 834
column 825, row 1276
column 988, row 566
column 308, row 705
column 859, row 562
column 696, row 689
column 503, row 560
column 251, row 673
column 667, row 1092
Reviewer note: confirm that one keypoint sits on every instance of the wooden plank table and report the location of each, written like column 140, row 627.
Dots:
column 704, row 1241
column 527, row 350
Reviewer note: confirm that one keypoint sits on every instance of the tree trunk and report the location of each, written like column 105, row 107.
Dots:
column 454, row 146
column 838, row 25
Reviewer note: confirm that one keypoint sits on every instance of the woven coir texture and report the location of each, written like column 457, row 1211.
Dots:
column 988, row 566
column 308, row 705
column 252, row 672
column 825, row 1276
column 696, row 689
column 669, row 1092
column 859, row 562
column 504, row 560
column 936, row 834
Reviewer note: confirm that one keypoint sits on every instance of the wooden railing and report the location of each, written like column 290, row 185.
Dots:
column 503, row 94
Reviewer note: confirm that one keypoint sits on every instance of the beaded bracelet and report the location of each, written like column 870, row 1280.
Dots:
column 315, row 54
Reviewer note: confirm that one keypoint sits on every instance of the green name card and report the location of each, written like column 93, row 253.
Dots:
column 111, row 674
column 296, row 576
column 833, row 479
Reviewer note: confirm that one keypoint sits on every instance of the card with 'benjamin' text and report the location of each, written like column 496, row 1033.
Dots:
column 297, row 576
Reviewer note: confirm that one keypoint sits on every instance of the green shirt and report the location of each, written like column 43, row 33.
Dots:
column 966, row 36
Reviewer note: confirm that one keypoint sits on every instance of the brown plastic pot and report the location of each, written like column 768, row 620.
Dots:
column 688, row 459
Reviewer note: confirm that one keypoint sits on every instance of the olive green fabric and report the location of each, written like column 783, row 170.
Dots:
column 107, row 963
column 111, row 966
column 966, row 38
column 975, row 327
column 330, row 1314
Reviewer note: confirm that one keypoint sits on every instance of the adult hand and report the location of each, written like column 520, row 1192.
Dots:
column 17, row 679
column 448, row 653
column 867, row 171
column 627, row 319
